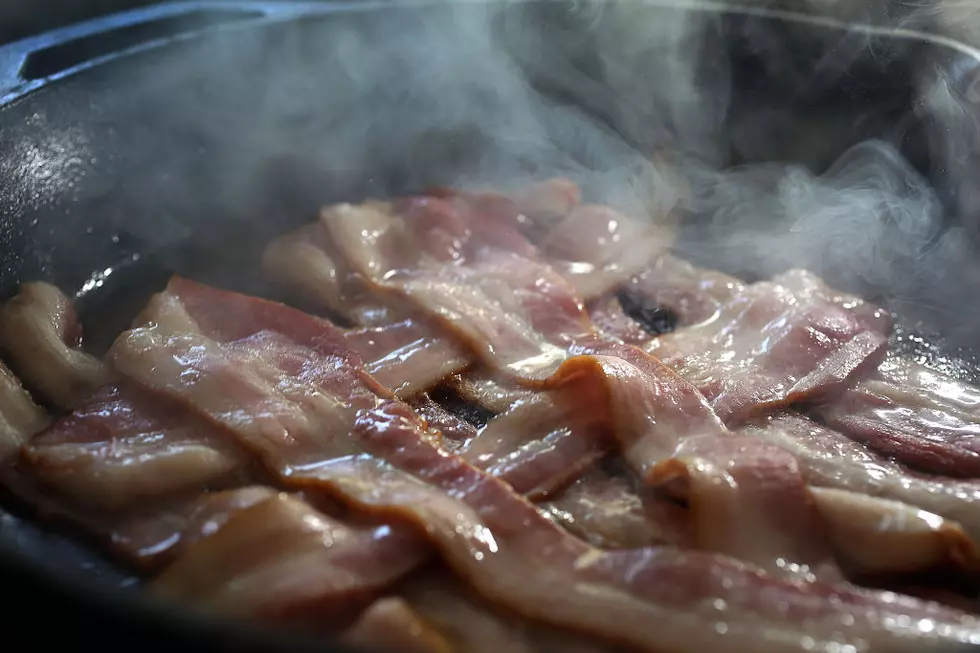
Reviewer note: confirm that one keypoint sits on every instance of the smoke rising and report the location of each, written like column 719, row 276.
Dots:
column 783, row 145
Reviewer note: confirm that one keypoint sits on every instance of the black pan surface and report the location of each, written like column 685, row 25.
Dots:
column 181, row 139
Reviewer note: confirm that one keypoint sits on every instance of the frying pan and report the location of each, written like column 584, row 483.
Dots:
column 182, row 137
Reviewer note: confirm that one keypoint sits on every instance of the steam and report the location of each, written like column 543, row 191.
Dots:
column 780, row 166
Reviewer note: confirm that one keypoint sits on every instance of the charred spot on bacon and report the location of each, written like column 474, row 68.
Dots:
column 536, row 430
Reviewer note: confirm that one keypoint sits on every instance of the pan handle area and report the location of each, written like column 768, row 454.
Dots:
column 28, row 64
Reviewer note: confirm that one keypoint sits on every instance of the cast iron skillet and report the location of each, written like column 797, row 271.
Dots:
column 181, row 137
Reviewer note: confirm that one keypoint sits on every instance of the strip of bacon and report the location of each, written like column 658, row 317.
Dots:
column 40, row 336
column 830, row 459
column 877, row 536
column 391, row 624
column 406, row 357
column 282, row 559
column 776, row 343
column 475, row 627
column 123, row 447
column 695, row 295
column 915, row 415
column 20, row 417
column 607, row 512
column 748, row 500
column 154, row 540
column 598, row 249
column 542, row 444
column 662, row 598
column 494, row 538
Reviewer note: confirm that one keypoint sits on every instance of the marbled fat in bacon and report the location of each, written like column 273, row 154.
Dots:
column 125, row 446
column 828, row 458
column 915, row 415
column 776, row 343
column 282, row 559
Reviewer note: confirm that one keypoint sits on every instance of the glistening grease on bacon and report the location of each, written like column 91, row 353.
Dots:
column 918, row 416
column 777, row 342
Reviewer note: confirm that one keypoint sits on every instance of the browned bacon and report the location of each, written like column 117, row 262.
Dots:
column 775, row 343
column 282, row 559
column 123, row 446
column 40, row 336
column 20, row 417
column 920, row 417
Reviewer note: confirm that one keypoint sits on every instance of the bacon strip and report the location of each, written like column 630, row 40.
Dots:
column 123, row 447
column 284, row 560
column 391, row 624
column 20, row 417
column 917, row 416
column 607, row 512
column 541, row 445
column 406, row 357
column 830, row 459
column 39, row 336
column 879, row 536
column 152, row 541
column 598, row 249
column 774, row 343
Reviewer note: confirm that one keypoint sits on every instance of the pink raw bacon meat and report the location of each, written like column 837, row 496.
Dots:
column 494, row 538
column 124, row 446
column 774, row 343
column 917, row 416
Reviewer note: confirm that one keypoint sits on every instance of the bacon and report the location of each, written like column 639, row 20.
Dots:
column 20, row 417
column 541, row 445
column 390, row 624
column 830, row 459
column 153, row 541
column 548, row 201
column 475, row 627
column 122, row 447
column 917, row 416
column 40, row 336
column 695, row 295
column 490, row 536
column 281, row 559
column 607, row 512
column 612, row 322
column 748, row 499
column 598, row 249
column 516, row 315
column 487, row 392
column 771, row 345
column 649, row 407
column 455, row 432
column 662, row 598
column 878, row 536
column 406, row 357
